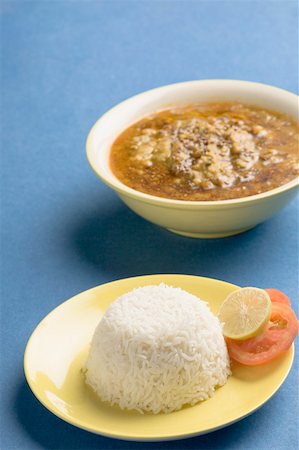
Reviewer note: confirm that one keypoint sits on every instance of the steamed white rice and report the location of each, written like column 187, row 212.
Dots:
column 156, row 349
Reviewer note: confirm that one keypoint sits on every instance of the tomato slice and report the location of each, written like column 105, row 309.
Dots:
column 276, row 339
column 277, row 296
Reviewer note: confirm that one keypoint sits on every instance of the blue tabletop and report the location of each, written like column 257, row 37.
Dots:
column 64, row 63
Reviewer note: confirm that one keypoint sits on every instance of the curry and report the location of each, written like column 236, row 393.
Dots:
column 204, row 152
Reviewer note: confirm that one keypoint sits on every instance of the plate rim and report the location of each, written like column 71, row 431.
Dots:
column 131, row 437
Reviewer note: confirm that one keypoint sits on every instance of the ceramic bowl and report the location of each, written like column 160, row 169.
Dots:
column 203, row 219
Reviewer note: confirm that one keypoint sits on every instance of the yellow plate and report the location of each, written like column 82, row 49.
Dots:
column 58, row 347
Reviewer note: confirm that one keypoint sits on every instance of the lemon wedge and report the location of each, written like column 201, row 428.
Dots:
column 244, row 313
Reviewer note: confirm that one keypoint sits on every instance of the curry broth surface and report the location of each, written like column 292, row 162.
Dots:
column 212, row 151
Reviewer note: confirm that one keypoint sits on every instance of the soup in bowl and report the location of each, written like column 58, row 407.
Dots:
column 202, row 158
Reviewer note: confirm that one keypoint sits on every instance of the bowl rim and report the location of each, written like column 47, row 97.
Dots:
column 123, row 189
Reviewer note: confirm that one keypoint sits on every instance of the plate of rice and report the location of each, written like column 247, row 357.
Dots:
column 144, row 359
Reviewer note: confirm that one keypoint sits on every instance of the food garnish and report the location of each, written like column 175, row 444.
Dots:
column 273, row 340
column 278, row 296
column 245, row 313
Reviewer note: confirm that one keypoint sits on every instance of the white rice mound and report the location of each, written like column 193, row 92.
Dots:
column 156, row 349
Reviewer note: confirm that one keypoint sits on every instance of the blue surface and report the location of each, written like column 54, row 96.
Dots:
column 64, row 63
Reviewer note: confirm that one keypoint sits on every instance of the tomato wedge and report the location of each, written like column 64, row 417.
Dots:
column 277, row 296
column 276, row 338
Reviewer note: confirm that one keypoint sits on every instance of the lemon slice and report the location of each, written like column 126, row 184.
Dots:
column 244, row 313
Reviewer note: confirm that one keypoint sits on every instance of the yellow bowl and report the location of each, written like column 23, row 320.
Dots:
column 58, row 348
column 211, row 219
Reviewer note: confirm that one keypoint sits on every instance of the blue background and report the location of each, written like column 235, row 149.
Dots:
column 64, row 63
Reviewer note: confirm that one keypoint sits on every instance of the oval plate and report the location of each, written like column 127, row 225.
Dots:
column 58, row 347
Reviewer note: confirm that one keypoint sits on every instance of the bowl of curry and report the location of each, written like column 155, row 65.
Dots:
column 206, row 159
